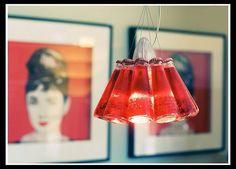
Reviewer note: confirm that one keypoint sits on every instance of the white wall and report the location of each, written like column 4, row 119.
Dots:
column 209, row 19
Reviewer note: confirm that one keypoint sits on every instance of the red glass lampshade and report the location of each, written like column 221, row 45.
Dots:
column 165, row 105
column 99, row 111
column 140, row 106
column 145, row 89
column 118, row 102
column 186, row 103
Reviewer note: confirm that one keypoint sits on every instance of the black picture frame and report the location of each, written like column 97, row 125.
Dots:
column 132, row 140
column 102, row 128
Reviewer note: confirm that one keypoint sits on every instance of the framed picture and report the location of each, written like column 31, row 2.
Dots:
column 201, row 62
column 55, row 80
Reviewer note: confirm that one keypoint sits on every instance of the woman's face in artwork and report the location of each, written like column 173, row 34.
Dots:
column 45, row 108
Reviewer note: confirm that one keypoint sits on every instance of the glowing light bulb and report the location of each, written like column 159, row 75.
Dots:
column 139, row 119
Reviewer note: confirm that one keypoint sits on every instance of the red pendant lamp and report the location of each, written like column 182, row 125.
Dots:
column 145, row 89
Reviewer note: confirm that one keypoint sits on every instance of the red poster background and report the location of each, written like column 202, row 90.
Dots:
column 76, row 123
column 201, row 71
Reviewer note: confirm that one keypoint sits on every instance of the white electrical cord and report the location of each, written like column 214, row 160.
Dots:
column 146, row 12
column 157, row 28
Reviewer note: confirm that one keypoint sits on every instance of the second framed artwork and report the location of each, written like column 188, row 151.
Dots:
column 200, row 61
column 55, row 79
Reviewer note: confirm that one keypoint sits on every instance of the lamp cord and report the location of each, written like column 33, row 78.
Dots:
column 157, row 29
column 146, row 12
column 157, row 26
column 135, row 35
